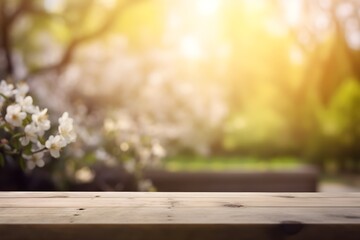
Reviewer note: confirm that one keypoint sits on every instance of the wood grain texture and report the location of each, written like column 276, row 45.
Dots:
column 134, row 215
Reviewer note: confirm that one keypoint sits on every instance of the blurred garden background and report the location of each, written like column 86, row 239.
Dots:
column 188, row 85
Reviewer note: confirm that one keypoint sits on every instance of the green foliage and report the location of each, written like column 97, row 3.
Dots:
column 230, row 163
column 341, row 121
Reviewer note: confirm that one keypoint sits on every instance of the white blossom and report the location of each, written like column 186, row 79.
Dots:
column 6, row 89
column 21, row 89
column 19, row 111
column 26, row 104
column 33, row 160
column 65, row 118
column 145, row 185
column 66, row 128
column 130, row 166
column 84, row 175
column 14, row 115
column 54, row 145
column 31, row 134
column 158, row 150
column 41, row 119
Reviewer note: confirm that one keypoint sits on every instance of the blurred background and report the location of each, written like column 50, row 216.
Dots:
column 235, row 94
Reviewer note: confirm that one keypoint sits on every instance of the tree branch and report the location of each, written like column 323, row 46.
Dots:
column 5, row 42
column 77, row 41
column 24, row 6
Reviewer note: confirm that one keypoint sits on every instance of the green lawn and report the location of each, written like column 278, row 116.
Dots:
column 229, row 163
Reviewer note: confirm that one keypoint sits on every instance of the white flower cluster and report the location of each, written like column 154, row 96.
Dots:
column 23, row 127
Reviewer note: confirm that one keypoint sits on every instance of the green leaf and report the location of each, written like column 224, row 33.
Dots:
column 2, row 95
column 18, row 135
column 27, row 120
column 15, row 143
column 27, row 149
column 41, row 140
column 8, row 127
column 22, row 163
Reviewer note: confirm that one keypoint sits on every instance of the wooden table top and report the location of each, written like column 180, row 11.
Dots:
column 136, row 215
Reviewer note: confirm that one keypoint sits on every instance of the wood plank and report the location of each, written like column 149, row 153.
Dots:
column 181, row 202
column 160, row 215
column 124, row 215
column 170, row 194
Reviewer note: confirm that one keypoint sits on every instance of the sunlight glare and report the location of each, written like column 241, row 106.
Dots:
column 54, row 5
column 275, row 27
column 254, row 5
column 296, row 56
column 190, row 47
column 293, row 10
column 207, row 7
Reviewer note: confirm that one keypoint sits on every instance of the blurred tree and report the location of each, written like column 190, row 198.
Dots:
column 76, row 23
column 282, row 63
column 328, row 33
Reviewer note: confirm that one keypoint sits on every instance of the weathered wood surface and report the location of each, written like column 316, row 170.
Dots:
column 132, row 215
